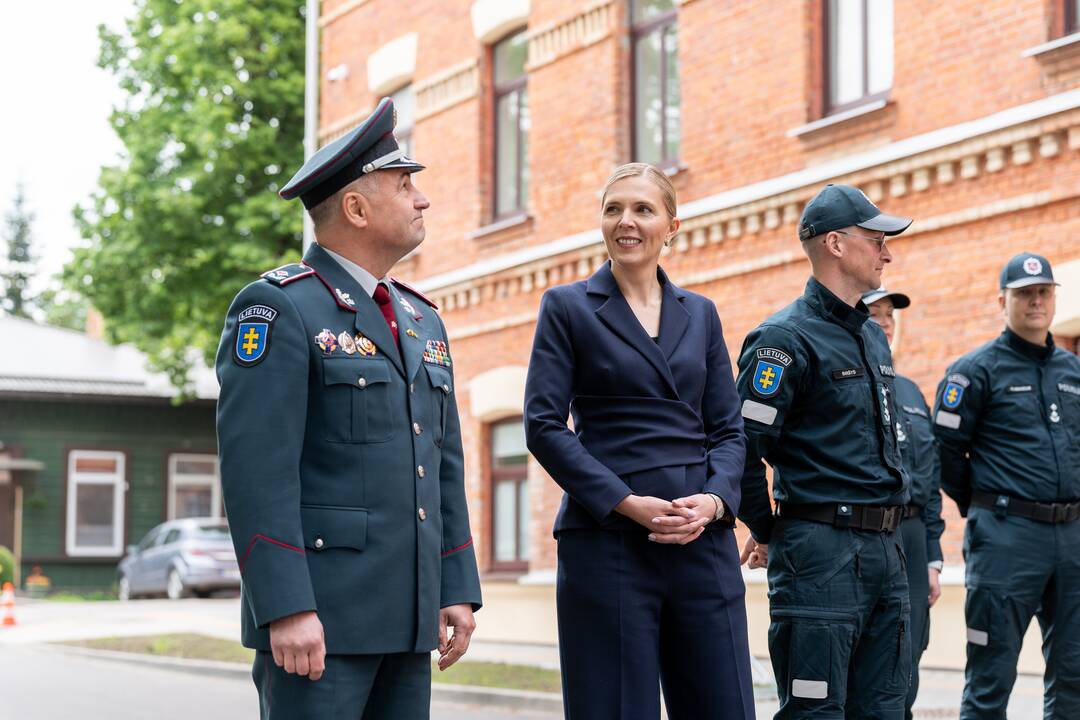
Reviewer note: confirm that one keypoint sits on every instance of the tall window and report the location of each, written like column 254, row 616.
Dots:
column 95, row 503
column 1072, row 16
column 511, row 126
column 657, row 112
column 859, row 53
column 510, row 496
column 405, row 105
column 194, row 487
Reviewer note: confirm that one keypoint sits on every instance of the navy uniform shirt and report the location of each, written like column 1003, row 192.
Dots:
column 1007, row 419
column 816, row 381
column 919, row 451
column 341, row 461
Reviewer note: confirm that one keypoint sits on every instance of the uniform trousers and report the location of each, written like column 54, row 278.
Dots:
column 395, row 686
column 1017, row 568
column 636, row 617
column 913, row 534
column 839, row 639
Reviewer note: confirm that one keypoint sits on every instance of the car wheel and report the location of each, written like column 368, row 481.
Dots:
column 174, row 587
column 123, row 588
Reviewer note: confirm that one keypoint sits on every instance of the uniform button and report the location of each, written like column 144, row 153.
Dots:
column 445, row 388
column 319, row 543
column 362, row 382
column 416, row 428
column 412, row 387
column 421, row 514
column 420, row 470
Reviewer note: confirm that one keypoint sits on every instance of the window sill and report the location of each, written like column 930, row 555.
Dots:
column 499, row 225
column 840, row 117
column 1047, row 47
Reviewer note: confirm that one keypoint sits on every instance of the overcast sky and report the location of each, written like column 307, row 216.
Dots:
column 54, row 131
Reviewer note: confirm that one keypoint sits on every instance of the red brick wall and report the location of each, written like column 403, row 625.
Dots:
column 750, row 72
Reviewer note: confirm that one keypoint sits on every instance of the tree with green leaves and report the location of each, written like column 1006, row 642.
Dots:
column 212, row 127
column 18, row 268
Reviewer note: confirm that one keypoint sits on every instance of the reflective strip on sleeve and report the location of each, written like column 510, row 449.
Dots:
column 812, row 689
column 947, row 419
column 762, row 413
column 978, row 637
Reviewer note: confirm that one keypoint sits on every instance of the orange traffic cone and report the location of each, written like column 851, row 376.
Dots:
column 7, row 604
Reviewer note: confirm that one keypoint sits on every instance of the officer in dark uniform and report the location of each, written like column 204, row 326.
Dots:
column 341, row 457
column 819, row 403
column 922, row 526
column 1007, row 419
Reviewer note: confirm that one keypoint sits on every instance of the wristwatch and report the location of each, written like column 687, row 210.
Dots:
column 721, row 511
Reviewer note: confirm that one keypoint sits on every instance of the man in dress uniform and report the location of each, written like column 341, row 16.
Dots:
column 1007, row 419
column 922, row 526
column 341, row 459
column 819, row 403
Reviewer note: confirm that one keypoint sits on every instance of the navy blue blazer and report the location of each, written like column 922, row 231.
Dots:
column 650, row 418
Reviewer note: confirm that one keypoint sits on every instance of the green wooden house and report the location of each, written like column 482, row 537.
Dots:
column 94, row 452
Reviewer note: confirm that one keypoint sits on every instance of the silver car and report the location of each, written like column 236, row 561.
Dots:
column 179, row 558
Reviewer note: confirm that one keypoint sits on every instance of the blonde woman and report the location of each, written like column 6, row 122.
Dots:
column 649, row 588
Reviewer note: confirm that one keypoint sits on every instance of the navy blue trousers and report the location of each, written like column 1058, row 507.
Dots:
column 839, row 639
column 636, row 616
column 913, row 533
column 357, row 687
column 1018, row 568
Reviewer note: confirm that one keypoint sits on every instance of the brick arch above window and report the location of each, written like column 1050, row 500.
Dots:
column 392, row 65
column 498, row 393
column 493, row 19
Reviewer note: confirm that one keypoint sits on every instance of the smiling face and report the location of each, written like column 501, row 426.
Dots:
column 1029, row 311
column 635, row 222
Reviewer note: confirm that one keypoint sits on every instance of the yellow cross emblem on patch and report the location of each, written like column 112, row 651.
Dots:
column 952, row 395
column 251, row 338
column 767, row 376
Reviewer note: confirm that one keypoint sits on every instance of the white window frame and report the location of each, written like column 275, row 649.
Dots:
column 213, row 481
column 117, row 480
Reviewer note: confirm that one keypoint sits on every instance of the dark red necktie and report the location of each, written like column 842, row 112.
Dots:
column 382, row 299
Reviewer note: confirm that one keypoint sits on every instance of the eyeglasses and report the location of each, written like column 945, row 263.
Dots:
column 879, row 241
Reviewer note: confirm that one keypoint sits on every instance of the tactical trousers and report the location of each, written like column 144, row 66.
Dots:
column 913, row 534
column 1017, row 568
column 839, row 637
column 396, row 686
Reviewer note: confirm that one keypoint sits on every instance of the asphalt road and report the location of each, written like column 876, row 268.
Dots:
column 39, row 683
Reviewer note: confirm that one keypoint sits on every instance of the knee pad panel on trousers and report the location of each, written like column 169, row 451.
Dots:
column 818, row 652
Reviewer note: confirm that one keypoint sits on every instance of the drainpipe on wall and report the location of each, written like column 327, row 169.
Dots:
column 311, row 99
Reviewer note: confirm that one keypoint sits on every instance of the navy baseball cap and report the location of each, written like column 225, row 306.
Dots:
column 1027, row 269
column 840, row 206
column 368, row 147
column 899, row 300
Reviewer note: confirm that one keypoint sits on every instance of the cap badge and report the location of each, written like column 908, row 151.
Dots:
column 1032, row 266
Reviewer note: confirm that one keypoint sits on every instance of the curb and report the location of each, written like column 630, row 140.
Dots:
column 443, row 692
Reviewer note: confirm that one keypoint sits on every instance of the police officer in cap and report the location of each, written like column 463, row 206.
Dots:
column 1007, row 418
column 341, row 459
column 922, row 526
column 819, row 404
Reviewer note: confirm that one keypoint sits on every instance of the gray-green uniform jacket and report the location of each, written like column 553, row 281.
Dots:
column 341, row 461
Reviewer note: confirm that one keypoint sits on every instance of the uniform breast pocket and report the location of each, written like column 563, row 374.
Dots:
column 357, row 400
column 442, row 384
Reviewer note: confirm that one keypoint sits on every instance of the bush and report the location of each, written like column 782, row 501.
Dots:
column 7, row 566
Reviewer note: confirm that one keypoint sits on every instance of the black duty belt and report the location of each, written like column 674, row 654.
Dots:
column 912, row 510
column 1055, row 512
column 878, row 518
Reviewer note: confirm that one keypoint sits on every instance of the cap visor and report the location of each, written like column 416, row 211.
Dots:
column 899, row 300
column 888, row 224
column 1025, row 282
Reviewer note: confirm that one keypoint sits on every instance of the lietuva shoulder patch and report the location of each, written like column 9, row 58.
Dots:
column 417, row 293
column 287, row 273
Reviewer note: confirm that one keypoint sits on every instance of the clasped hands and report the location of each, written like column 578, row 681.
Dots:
column 675, row 522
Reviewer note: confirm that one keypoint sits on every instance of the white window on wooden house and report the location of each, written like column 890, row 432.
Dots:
column 95, row 503
column 194, row 486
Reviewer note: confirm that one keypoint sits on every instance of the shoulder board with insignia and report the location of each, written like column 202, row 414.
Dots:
column 287, row 273
column 417, row 293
